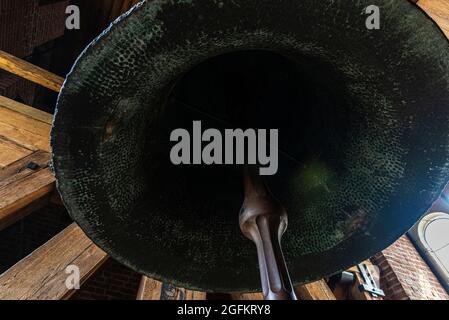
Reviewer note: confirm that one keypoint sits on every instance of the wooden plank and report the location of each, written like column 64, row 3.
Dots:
column 318, row 290
column 247, row 296
column 28, row 111
column 23, row 130
column 11, row 152
column 25, row 125
column 23, row 122
column 127, row 4
column 119, row 7
column 341, row 292
column 42, row 274
column 30, row 72
column 20, row 194
column 149, row 289
column 355, row 293
column 115, row 9
column 18, row 170
column 155, row 290
column 439, row 11
column 25, row 138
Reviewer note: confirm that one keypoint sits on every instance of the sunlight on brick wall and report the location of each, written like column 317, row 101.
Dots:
column 405, row 275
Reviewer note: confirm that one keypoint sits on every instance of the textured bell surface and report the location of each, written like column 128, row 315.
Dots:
column 363, row 119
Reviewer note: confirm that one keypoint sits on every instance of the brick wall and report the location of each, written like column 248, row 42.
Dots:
column 113, row 281
column 16, row 17
column 405, row 275
column 50, row 22
column 25, row 25
column 16, row 88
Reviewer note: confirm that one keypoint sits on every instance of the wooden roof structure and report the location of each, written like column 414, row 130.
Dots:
column 27, row 184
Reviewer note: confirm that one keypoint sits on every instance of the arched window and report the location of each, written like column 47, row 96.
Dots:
column 436, row 237
column 431, row 236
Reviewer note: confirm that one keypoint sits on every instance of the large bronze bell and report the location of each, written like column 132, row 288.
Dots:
column 363, row 119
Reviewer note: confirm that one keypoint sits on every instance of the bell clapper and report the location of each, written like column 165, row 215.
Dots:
column 264, row 220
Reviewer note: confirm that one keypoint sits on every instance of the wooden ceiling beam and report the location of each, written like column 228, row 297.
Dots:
column 318, row 290
column 438, row 10
column 23, row 130
column 26, row 110
column 24, row 189
column 42, row 275
column 26, row 182
column 247, row 296
column 30, row 72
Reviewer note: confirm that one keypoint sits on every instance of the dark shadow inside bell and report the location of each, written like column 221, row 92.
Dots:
column 300, row 97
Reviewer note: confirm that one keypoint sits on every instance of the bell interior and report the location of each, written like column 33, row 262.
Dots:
column 192, row 210
column 250, row 89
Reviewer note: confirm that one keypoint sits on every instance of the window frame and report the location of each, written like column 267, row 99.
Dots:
column 418, row 238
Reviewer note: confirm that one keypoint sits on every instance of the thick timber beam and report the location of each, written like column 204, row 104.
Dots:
column 26, row 181
column 42, row 275
column 247, row 296
column 318, row 290
column 30, row 72
column 438, row 10
column 24, row 189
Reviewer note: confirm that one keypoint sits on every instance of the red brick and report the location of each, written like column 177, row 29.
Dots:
column 405, row 275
